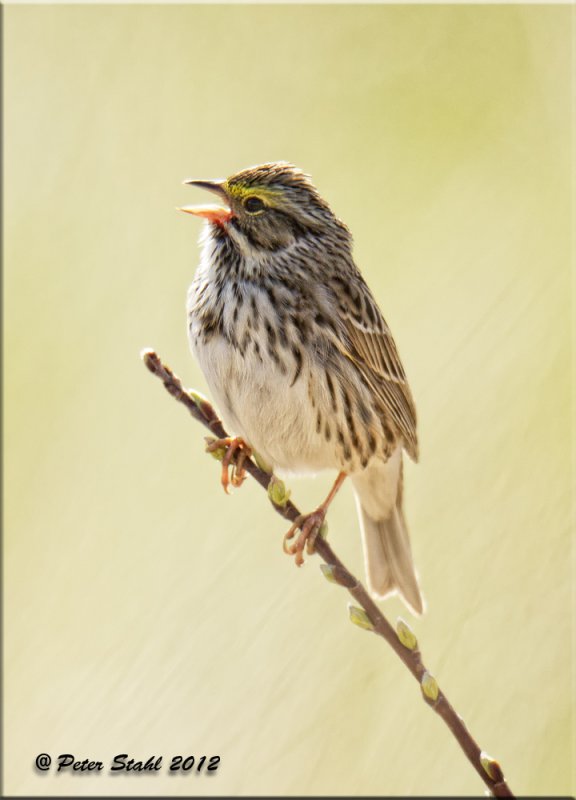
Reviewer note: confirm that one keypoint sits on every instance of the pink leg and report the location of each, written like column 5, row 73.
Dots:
column 309, row 526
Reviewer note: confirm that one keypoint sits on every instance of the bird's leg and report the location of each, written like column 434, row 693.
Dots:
column 231, row 446
column 309, row 526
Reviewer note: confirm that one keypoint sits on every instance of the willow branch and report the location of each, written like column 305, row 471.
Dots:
column 367, row 615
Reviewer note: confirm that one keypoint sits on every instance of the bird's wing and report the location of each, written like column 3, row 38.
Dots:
column 373, row 350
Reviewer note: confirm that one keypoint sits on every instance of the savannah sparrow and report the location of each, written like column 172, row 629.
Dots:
column 300, row 360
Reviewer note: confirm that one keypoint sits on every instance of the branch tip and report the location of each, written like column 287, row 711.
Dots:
column 150, row 359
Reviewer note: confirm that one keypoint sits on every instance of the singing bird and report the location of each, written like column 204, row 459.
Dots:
column 300, row 360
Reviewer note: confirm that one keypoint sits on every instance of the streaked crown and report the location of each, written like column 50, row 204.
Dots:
column 269, row 206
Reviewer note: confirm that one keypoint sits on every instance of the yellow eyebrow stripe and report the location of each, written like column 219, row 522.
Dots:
column 240, row 191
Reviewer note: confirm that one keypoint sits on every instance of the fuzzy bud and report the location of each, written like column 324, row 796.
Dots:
column 260, row 463
column 406, row 634
column 359, row 617
column 491, row 767
column 277, row 492
column 203, row 405
column 429, row 687
column 328, row 572
column 218, row 453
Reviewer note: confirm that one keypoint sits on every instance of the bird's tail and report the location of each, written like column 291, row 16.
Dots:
column 387, row 552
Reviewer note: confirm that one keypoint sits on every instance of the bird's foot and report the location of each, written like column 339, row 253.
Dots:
column 309, row 526
column 233, row 471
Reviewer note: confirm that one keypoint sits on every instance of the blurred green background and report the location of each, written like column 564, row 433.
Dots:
column 145, row 612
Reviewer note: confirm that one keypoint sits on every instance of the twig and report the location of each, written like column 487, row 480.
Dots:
column 368, row 615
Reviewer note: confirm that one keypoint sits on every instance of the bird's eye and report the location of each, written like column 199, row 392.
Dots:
column 253, row 205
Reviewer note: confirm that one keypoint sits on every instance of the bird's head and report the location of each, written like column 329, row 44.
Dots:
column 267, row 207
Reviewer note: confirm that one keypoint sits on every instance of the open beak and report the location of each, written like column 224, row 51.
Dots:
column 214, row 213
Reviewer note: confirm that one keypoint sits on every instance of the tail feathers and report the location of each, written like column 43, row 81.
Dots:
column 389, row 564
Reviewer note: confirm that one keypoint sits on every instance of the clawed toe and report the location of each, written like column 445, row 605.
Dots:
column 233, row 472
column 309, row 526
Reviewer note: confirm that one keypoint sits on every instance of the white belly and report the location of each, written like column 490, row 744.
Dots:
column 262, row 406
